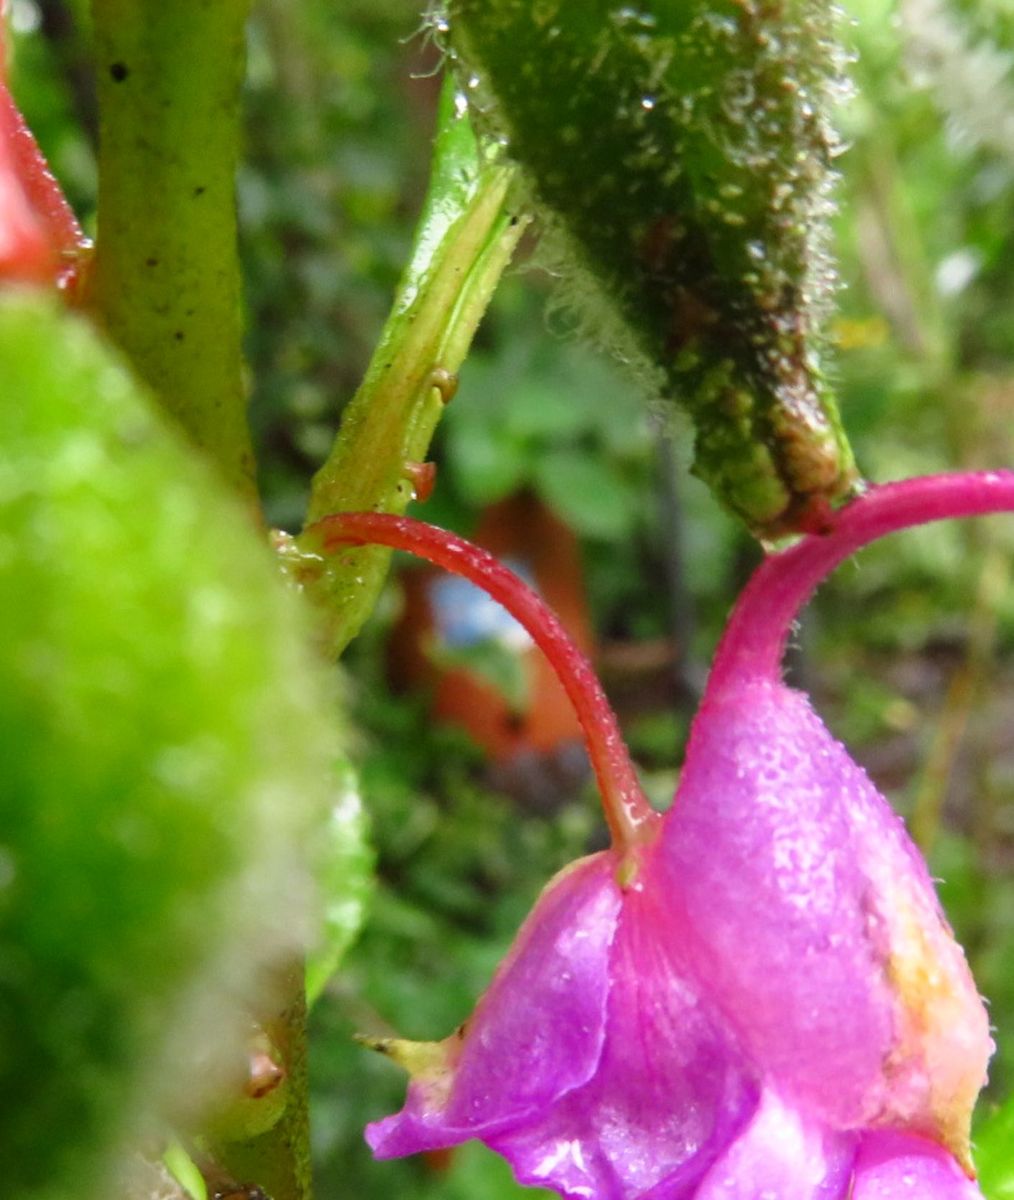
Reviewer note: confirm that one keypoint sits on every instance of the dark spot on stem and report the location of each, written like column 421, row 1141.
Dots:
column 118, row 72
column 200, row 190
column 151, row 262
column 179, row 335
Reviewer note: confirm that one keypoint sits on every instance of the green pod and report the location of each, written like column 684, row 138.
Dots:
column 169, row 763
column 685, row 149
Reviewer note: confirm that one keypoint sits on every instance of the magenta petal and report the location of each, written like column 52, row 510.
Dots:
column 898, row 1166
column 538, row 1031
column 782, row 1155
column 813, row 925
column 668, row 1095
column 761, row 846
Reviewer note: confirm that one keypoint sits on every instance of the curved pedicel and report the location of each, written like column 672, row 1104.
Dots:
column 630, row 817
column 756, row 634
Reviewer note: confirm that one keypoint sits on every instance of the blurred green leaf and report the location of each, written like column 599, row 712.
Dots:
column 488, row 467
column 344, row 879
column 168, row 744
column 593, row 501
column 502, row 667
column 994, row 1152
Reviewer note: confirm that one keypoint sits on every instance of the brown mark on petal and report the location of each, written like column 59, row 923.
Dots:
column 938, row 1064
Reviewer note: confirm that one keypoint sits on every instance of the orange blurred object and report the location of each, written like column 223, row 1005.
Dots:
column 441, row 612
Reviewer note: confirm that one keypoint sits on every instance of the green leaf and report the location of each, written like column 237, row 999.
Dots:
column 487, row 467
column 684, row 151
column 344, row 878
column 994, row 1152
column 589, row 496
column 169, row 743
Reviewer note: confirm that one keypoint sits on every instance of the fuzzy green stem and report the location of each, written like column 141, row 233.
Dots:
column 166, row 279
column 466, row 237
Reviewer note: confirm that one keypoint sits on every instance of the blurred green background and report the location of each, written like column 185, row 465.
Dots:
column 909, row 654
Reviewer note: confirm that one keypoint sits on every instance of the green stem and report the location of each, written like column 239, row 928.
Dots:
column 465, row 238
column 278, row 1160
column 166, row 277
column 167, row 284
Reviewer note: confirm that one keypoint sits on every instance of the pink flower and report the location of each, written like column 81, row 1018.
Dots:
column 773, row 1007
column 755, row 998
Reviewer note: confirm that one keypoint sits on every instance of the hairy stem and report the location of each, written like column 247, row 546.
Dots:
column 628, row 814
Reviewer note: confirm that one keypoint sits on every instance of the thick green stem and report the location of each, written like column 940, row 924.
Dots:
column 166, row 283
column 466, row 237
column 166, row 278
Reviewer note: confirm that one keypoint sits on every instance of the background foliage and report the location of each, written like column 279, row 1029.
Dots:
column 910, row 655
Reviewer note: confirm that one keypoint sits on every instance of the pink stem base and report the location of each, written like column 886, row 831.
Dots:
column 755, row 638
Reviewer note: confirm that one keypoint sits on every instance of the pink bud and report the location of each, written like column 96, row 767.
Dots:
column 40, row 239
